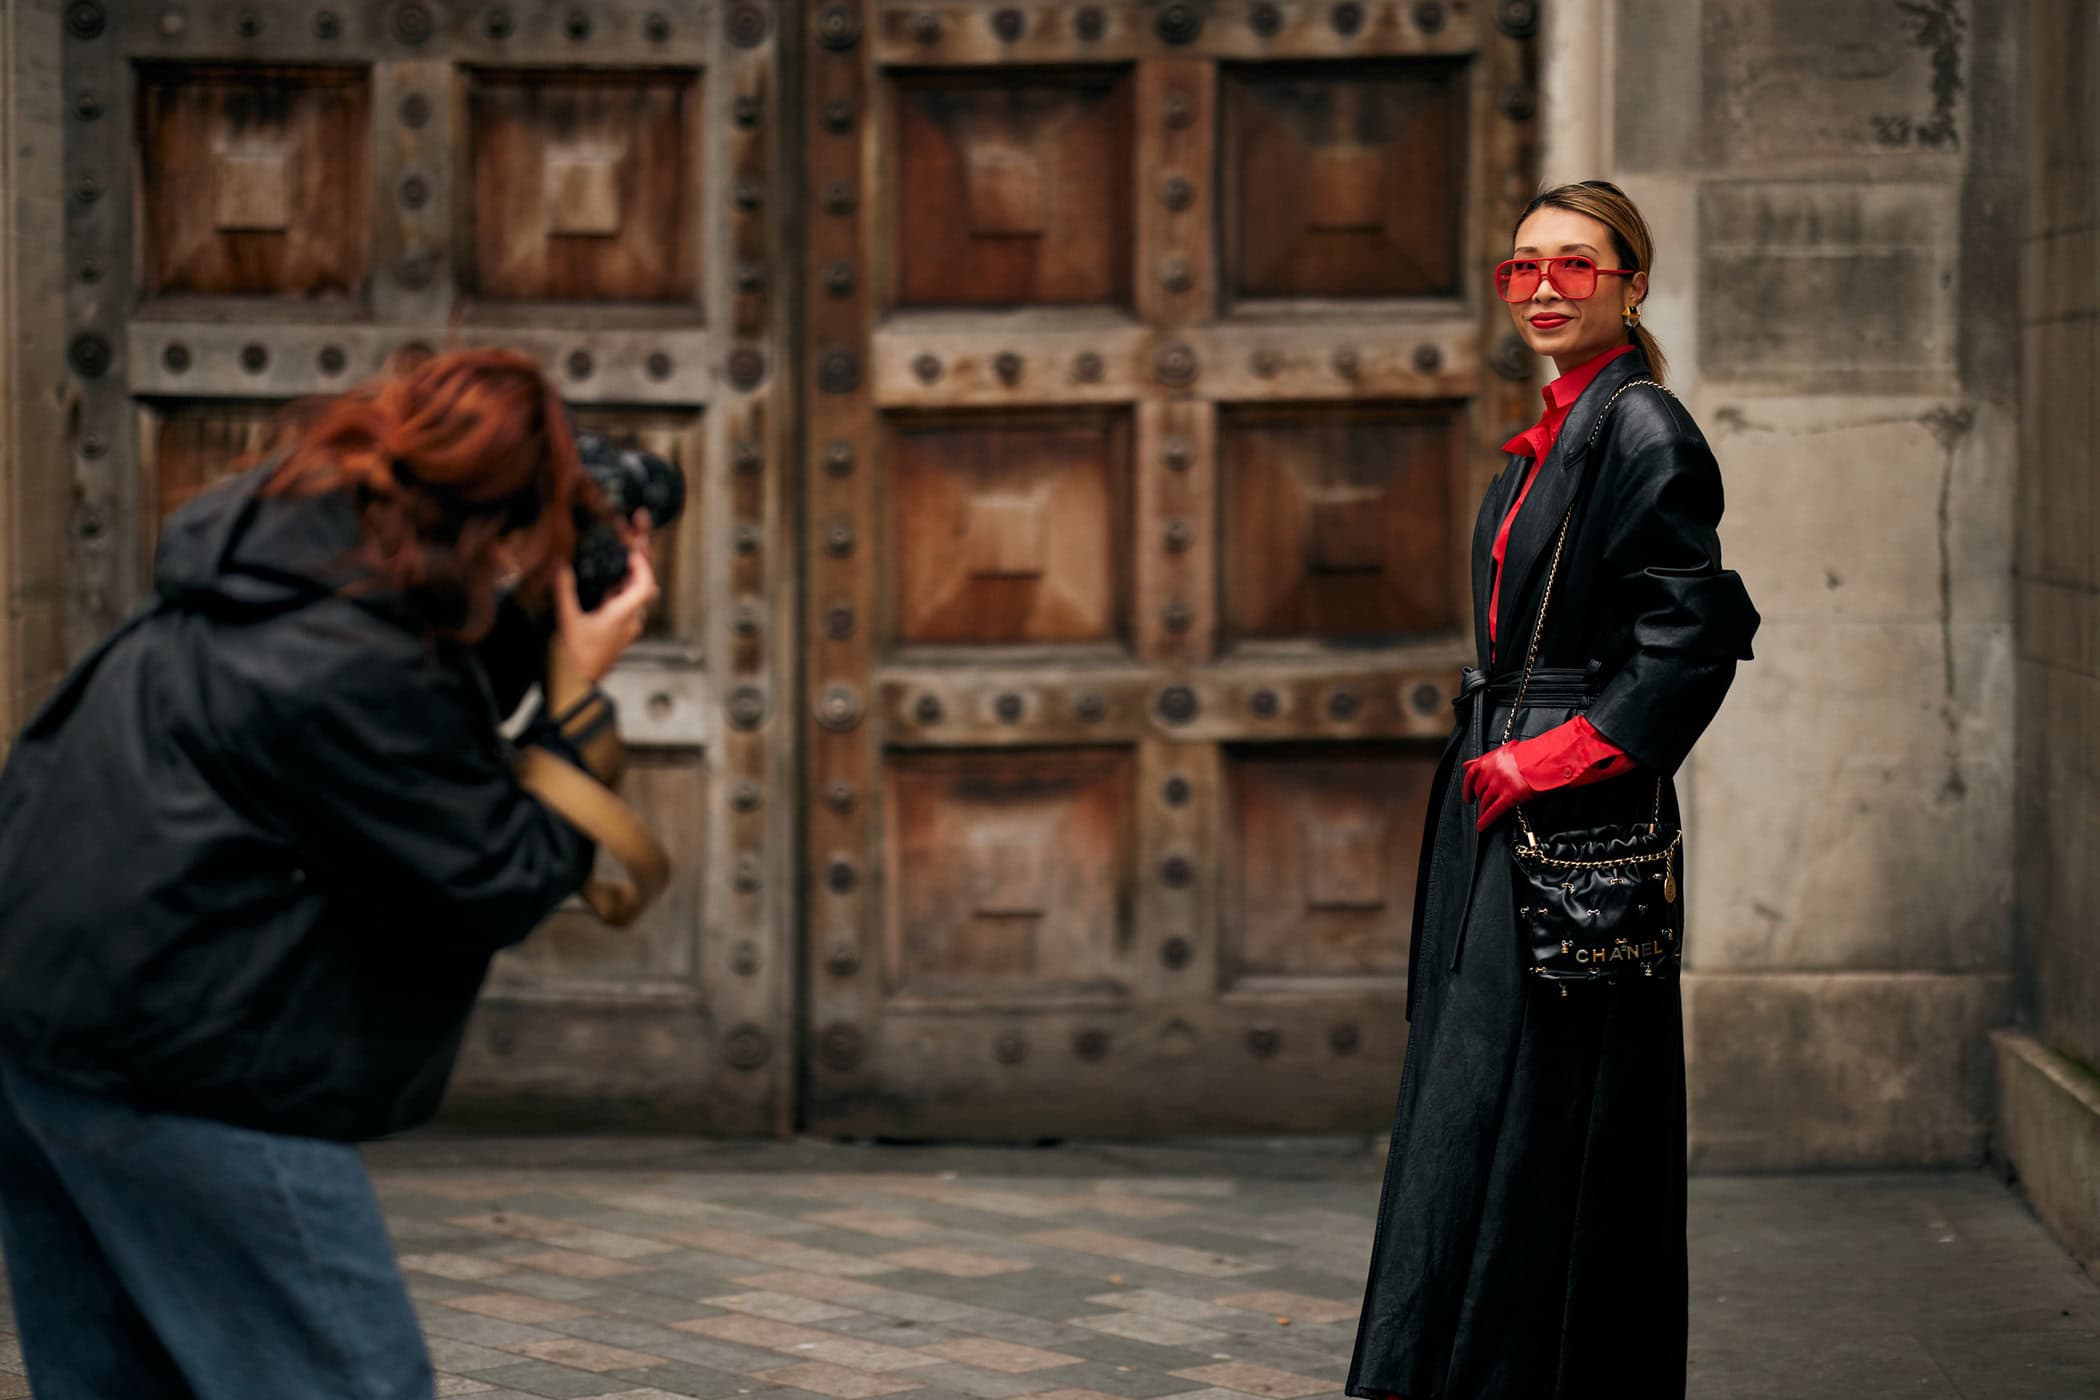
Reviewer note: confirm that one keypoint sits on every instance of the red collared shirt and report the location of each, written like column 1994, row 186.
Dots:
column 1536, row 442
column 1573, row 753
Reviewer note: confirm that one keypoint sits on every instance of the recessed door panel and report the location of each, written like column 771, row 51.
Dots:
column 1010, row 531
column 1340, row 180
column 1012, row 192
column 254, row 181
column 1338, row 522
column 1323, row 857
column 586, row 186
column 1008, row 874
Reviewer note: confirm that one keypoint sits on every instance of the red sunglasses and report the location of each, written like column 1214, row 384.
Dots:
column 1574, row 277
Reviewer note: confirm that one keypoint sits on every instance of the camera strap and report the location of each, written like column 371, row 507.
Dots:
column 600, row 814
column 584, row 717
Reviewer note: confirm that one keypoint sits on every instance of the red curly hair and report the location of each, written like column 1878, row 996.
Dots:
column 446, row 459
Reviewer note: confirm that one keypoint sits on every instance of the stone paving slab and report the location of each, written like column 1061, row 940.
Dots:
column 807, row 1271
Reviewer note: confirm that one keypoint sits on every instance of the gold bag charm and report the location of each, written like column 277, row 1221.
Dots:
column 1670, row 875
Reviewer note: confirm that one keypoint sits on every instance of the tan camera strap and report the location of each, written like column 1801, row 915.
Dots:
column 587, row 800
column 600, row 814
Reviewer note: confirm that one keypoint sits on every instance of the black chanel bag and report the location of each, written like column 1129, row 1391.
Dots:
column 1602, row 904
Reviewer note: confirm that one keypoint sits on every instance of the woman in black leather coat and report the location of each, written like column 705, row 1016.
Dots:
column 1531, row 1232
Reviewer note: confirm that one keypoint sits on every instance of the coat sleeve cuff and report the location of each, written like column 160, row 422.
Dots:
column 1569, row 755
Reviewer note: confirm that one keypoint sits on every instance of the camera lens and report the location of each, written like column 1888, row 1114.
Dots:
column 653, row 484
column 629, row 480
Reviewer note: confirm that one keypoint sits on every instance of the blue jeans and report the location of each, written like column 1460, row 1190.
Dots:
column 156, row 1257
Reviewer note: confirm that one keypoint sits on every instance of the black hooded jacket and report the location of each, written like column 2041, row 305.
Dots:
column 258, row 850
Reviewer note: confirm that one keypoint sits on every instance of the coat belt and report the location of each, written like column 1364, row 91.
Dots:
column 1560, row 687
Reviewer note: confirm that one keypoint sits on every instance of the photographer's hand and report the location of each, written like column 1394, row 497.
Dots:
column 592, row 642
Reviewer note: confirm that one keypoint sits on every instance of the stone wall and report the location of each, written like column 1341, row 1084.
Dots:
column 2051, row 1108
column 1833, row 189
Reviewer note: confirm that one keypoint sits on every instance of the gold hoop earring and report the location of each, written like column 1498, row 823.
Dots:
column 1632, row 317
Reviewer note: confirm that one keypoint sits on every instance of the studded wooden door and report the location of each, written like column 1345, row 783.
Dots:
column 268, row 200
column 1151, row 382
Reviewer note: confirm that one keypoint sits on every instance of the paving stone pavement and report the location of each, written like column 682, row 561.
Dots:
column 805, row 1271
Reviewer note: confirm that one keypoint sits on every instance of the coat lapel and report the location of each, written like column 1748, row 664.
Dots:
column 1531, row 537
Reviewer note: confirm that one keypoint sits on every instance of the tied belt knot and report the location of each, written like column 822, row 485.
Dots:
column 1559, row 687
column 1479, row 696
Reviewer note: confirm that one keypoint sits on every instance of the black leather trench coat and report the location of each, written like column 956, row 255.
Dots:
column 1531, row 1231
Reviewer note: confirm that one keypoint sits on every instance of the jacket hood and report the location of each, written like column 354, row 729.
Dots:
column 235, row 549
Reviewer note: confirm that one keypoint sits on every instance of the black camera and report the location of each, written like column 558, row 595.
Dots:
column 629, row 480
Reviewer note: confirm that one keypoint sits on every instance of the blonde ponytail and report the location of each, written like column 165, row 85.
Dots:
column 1658, row 367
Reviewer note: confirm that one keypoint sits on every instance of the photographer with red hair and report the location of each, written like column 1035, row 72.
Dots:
column 255, row 857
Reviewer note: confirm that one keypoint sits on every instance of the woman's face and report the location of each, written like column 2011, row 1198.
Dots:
column 1573, row 332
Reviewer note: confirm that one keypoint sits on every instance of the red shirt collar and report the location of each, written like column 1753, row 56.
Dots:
column 1563, row 392
column 1560, row 395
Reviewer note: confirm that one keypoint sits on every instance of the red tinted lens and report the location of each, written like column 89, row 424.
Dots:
column 1575, row 278
column 1516, row 281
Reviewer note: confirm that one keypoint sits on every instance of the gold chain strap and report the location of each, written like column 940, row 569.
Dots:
column 1538, row 630
column 1538, row 854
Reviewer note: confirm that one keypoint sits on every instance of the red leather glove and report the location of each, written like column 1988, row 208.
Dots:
column 1496, row 781
column 1568, row 755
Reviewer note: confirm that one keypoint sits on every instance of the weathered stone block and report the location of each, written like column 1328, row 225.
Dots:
column 2060, row 372
column 1790, row 1071
column 2049, row 1133
column 1790, row 80
column 2060, row 80
column 2060, row 889
column 2031, row 495
column 1934, row 475
column 1829, row 287
column 1670, row 204
column 1852, row 805
column 2067, row 970
column 1655, row 116
column 2060, row 626
column 2060, row 273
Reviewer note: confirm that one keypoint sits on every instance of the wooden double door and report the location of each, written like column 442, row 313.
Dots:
column 1084, row 405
